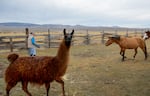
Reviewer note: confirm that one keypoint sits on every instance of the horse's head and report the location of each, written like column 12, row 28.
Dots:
column 146, row 35
column 68, row 37
column 112, row 39
column 109, row 41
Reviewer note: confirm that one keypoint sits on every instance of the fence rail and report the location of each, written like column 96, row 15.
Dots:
column 52, row 39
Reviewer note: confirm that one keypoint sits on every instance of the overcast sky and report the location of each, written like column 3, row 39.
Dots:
column 125, row 13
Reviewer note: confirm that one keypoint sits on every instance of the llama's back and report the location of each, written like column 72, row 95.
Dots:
column 32, row 69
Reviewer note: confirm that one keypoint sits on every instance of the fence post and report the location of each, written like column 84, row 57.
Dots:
column 103, row 35
column 49, row 39
column 127, row 33
column 87, row 37
column 27, row 34
column 135, row 33
column 142, row 32
column 116, row 32
column 11, row 44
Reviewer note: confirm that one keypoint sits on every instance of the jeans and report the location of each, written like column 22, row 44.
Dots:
column 32, row 51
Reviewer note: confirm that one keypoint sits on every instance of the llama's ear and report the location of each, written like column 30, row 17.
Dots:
column 72, row 32
column 64, row 31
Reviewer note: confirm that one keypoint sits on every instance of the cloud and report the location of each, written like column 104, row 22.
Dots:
column 87, row 12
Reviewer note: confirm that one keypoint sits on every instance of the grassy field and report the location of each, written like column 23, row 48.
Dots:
column 94, row 70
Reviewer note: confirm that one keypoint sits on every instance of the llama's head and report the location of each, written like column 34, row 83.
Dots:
column 68, row 37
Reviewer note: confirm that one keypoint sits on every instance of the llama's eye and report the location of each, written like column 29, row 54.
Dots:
column 65, row 36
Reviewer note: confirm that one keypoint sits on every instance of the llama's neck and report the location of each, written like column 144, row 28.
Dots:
column 63, row 57
column 63, row 53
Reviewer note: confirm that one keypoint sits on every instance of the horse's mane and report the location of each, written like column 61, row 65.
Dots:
column 117, row 37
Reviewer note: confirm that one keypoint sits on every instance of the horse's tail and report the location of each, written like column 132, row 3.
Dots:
column 12, row 57
column 144, row 48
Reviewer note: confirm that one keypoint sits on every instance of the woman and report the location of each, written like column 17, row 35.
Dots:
column 32, row 44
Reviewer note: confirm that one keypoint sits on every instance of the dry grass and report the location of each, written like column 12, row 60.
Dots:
column 95, row 70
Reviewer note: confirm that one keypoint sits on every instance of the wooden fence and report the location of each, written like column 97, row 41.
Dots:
column 52, row 39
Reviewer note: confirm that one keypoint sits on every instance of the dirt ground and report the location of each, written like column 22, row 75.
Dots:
column 94, row 70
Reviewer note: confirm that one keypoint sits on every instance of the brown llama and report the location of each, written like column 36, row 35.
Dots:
column 39, row 69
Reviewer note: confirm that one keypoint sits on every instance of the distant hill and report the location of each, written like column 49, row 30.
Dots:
column 17, row 26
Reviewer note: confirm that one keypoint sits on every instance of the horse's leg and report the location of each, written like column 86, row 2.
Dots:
column 121, row 52
column 144, row 49
column 145, row 53
column 135, row 52
column 24, row 87
column 123, row 55
column 47, row 85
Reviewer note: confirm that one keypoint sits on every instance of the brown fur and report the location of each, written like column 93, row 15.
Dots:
column 12, row 57
column 39, row 69
column 128, row 43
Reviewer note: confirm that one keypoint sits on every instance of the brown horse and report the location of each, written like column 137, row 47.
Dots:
column 128, row 43
column 146, row 35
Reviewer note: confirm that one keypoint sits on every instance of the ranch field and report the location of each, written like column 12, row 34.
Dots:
column 94, row 70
